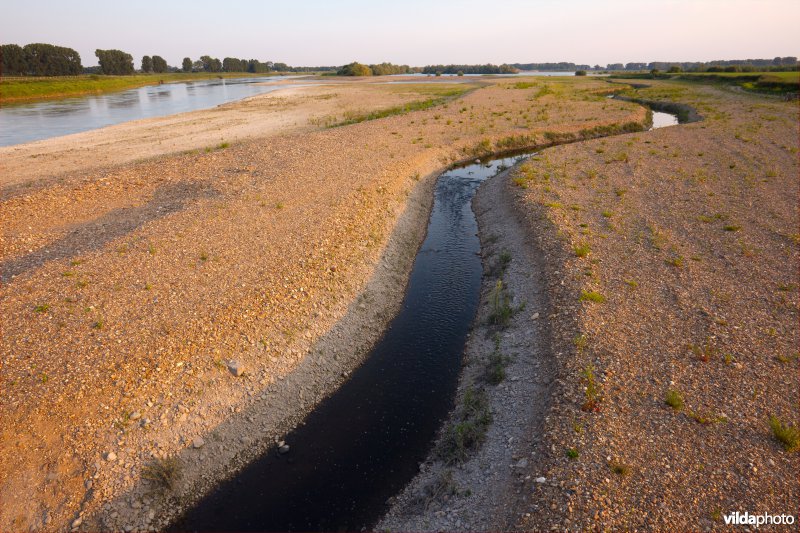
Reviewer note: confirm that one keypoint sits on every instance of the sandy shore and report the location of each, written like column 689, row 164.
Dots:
column 128, row 288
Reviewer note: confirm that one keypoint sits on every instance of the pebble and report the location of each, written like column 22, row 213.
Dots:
column 535, row 316
column 136, row 415
column 198, row 442
column 522, row 463
column 540, row 479
column 236, row 368
column 111, row 456
column 78, row 521
column 283, row 449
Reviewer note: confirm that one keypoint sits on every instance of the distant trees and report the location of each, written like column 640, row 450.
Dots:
column 354, row 69
column 159, row 64
column 147, row 64
column 211, row 64
column 114, row 62
column 187, row 64
column 580, row 73
column 39, row 59
column 468, row 69
column 12, row 60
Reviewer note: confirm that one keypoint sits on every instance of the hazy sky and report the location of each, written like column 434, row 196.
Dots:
column 414, row 32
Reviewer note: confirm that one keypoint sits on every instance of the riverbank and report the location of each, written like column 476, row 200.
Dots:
column 671, row 265
column 31, row 89
column 129, row 288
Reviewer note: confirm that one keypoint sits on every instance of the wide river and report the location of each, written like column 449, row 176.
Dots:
column 26, row 122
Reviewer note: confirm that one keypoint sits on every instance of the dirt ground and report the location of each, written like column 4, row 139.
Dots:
column 129, row 288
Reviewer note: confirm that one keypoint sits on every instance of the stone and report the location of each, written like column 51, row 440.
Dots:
column 522, row 463
column 136, row 415
column 540, row 479
column 535, row 316
column 198, row 442
column 77, row 522
column 236, row 368
column 111, row 456
column 283, row 449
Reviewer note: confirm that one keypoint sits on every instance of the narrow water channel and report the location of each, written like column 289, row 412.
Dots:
column 364, row 443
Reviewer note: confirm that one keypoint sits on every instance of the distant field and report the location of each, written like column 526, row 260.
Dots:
column 764, row 82
column 62, row 86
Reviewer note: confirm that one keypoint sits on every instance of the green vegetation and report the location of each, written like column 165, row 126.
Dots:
column 582, row 249
column 573, row 453
column 115, row 62
column 444, row 94
column 496, row 369
column 621, row 469
column 593, row 394
column 163, row 473
column 42, row 308
column 674, row 399
column 59, row 87
column 592, row 296
column 786, row 434
column 473, row 419
column 39, row 59
column 500, row 302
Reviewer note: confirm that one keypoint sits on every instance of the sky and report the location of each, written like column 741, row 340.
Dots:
column 413, row 32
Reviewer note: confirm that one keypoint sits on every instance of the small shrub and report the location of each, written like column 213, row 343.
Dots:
column 731, row 227
column 674, row 399
column 501, row 305
column 41, row 308
column 163, row 473
column 469, row 432
column 786, row 434
column 619, row 468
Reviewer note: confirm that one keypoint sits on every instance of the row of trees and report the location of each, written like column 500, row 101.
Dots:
column 231, row 64
column 39, row 59
column 469, row 69
column 382, row 69
column 730, row 65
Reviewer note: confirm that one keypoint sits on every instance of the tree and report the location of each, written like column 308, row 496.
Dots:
column 159, row 64
column 231, row 64
column 580, row 73
column 147, row 64
column 187, row 64
column 49, row 60
column 352, row 69
column 12, row 60
column 674, row 69
column 211, row 64
column 114, row 62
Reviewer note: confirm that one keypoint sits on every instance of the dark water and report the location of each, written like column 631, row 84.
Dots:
column 21, row 123
column 364, row 443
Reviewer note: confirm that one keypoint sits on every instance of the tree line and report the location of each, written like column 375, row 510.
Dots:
column 39, row 59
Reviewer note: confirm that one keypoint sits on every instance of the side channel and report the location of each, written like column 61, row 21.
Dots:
column 364, row 443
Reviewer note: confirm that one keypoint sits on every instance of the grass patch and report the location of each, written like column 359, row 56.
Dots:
column 592, row 296
column 419, row 105
column 162, row 473
column 582, row 250
column 465, row 435
column 496, row 369
column 674, row 399
column 619, row 468
column 500, row 303
column 786, row 434
column 593, row 393
column 41, row 308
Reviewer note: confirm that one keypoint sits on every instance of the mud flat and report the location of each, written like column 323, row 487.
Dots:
column 129, row 289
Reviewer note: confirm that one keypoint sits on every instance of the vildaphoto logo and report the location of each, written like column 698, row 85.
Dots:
column 747, row 519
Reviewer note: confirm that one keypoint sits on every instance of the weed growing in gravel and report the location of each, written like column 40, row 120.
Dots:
column 592, row 296
column 621, row 469
column 676, row 261
column 203, row 256
column 580, row 342
column 674, row 399
column 469, row 431
column 41, row 308
column 582, row 250
column 496, row 369
column 163, row 473
column 573, row 453
column 787, row 434
column 706, row 418
column 593, row 393
column 98, row 325
column 501, row 305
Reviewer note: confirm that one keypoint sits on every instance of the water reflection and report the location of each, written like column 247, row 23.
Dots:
column 21, row 123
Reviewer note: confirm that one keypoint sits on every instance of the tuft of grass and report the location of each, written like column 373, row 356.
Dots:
column 163, row 473
column 573, row 453
column 41, row 308
column 621, row 469
column 786, row 434
column 582, row 250
column 593, row 394
column 674, row 399
column 501, row 305
column 731, row 227
column 496, row 369
column 592, row 296
column 474, row 417
column 606, row 213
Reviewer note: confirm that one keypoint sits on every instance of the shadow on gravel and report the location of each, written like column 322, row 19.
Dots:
column 96, row 233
